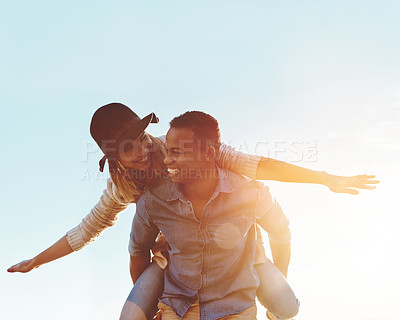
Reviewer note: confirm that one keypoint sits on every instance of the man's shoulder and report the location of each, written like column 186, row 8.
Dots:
column 155, row 196
column 160, row 188
column 244, row 188
column 238, row 181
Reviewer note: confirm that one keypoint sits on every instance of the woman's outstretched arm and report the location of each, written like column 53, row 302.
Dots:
column 271, row 169
column 263, row 168
column 59, row 249
column 102, row 216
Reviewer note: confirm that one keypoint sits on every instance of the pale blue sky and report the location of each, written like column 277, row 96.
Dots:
column 272, row 72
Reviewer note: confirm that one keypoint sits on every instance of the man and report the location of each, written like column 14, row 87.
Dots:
column 208, row 217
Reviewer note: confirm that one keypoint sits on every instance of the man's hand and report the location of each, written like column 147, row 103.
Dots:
column 350, row 185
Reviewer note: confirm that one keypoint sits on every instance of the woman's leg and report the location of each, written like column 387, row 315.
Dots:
column 141, row 303
column 274, row 293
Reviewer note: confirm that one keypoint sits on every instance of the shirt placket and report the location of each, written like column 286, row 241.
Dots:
column 189, row 210
column 206, row 254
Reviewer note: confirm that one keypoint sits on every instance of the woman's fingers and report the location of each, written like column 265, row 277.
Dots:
column 365, row 176
column 372, row 181
column 366, row 179
column 14, row 268
column 364, row 186
column 351, row 191
column 362, row 182
column 342, row 189
column 23, row 266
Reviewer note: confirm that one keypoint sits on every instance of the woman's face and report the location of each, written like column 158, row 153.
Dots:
column 136, row 154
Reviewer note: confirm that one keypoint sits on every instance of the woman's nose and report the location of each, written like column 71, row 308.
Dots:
column 144, row 149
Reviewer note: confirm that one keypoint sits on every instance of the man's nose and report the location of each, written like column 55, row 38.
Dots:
column 168, row 161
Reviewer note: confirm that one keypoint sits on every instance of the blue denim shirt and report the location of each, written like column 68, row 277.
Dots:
column 212, row 259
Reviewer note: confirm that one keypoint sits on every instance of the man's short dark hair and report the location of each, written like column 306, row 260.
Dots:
column 204, row 126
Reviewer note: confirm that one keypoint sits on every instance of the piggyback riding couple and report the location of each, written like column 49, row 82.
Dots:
column 198, row 215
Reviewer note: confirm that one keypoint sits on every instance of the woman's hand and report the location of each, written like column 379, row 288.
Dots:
column 59, row 249
column 23, row 266
column 350, row 185
column 271, row 169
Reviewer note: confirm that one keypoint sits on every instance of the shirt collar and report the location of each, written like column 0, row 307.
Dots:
column 175, row 193
column 223, row 186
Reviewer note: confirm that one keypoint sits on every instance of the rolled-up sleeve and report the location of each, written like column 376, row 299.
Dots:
column 270, row 216
column 238, row 161
column 144, row 232
column 102, row 216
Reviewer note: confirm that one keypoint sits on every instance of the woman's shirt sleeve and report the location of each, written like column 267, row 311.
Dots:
column 238, row 161
column 102, row 216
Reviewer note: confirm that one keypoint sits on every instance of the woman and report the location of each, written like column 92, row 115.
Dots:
column 135, row 160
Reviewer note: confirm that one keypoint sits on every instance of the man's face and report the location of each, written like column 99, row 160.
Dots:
column 185, row 160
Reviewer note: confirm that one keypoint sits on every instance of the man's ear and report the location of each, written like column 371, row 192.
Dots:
column 211, row 153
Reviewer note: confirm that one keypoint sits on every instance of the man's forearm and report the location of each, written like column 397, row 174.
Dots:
column 138, row 265
column 281, row 256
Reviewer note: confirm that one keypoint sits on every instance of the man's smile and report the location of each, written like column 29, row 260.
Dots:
column 173, row 172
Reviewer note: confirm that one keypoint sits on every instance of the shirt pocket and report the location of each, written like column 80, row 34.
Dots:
column 230, row 234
